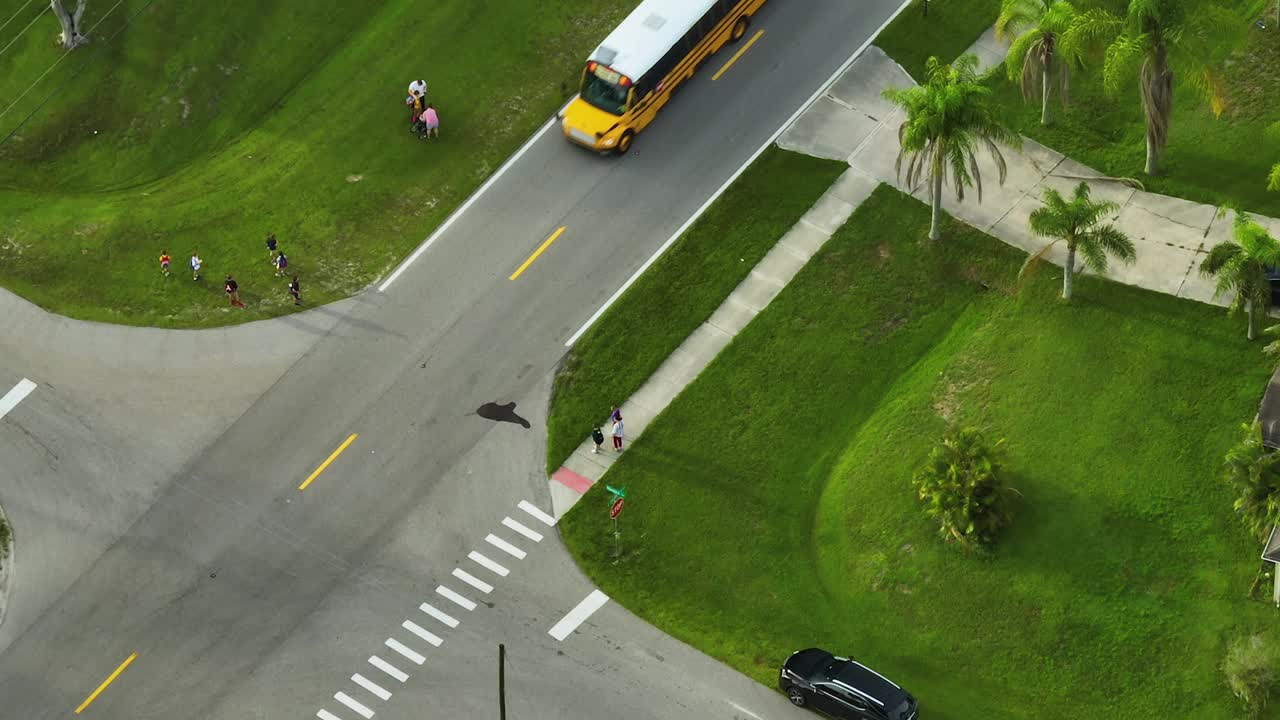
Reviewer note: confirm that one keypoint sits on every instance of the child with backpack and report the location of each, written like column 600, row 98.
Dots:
column 282, row 262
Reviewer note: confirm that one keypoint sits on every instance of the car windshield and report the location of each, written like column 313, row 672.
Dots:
column 832, row 669
column 601, row 89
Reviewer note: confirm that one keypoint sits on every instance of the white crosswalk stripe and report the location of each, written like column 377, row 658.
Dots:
column 533, row 510
column 326, row 715
column 472, row 580
column 350, row 702
column 438, row 614
column 523, row 530
column 457, row 599
column 404, row 650
column 488, row 564
column 373, row 687
column 388, row 668
column 421, row 632
column 505, row 547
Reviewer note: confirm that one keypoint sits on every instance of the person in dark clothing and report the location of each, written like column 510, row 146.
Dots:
column 233, row 291
column 294, row 291
column 598, row 437
column 271, row 247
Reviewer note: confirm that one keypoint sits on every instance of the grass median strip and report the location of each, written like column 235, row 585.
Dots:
column 682, row 289
column 770, row 507
column 946, row 32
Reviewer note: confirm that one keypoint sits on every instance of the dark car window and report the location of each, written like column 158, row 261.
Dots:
column 832, row 669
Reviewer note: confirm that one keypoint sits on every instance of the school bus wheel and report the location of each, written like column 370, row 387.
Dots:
column 739, row 29
column 624, row 142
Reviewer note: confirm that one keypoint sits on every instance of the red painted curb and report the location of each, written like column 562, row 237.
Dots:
column 572, row 480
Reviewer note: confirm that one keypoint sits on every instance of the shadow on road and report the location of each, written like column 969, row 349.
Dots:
column 502, row 413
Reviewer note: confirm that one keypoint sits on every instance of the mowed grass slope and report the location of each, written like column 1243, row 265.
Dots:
column 682, row 289
column 770, row 507
column 219, row 123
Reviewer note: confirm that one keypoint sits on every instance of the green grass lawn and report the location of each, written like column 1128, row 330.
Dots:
column 951, row 27
column 202, row 127
column 1217, row 160
column 682, row 289
column 770, row 507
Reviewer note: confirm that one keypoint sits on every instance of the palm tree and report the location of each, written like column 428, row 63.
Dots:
column 1161, row 41
column 963, row 490
column 1240, row 265
column 1254, row 471
column 1035, row 28
column 1273, row 180
column 1076, row 223
column 948, row 119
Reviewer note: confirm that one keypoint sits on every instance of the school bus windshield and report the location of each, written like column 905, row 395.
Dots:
column 602, row 89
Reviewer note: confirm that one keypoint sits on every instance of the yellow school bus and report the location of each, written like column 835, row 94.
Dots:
column 643, row 62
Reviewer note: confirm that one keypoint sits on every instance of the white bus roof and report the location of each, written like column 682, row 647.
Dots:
column 648, row 33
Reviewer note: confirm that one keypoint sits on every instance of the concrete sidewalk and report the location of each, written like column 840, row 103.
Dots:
column 762, row 285
column 853, row 123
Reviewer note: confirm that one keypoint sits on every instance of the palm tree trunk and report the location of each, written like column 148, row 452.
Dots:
column 1248, row 307
column 1044, row 96
column 935, row 198
column 1153, row 157
column 1068, row 271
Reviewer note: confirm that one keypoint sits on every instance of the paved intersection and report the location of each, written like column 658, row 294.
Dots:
column 244, row 597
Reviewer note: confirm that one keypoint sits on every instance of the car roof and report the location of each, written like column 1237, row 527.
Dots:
column 870, row 684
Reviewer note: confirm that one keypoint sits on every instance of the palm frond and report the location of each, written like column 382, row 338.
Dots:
column 1124, row 55
column 1219, row 257
column 1273, row 180
column 1020, row 54
column 1091, row 31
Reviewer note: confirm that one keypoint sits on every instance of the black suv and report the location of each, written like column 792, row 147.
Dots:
column 844, row 689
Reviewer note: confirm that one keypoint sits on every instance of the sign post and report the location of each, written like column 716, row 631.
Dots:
column 615, row 509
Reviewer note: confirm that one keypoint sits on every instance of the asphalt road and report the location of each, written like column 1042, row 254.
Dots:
column 244, row 597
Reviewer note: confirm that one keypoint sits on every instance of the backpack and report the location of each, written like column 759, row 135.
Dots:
column 283, row 262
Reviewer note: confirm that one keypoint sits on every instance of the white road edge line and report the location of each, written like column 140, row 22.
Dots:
column 404, row 650
column 474, row 196
column 413, row 627
column 532, row 535
column 533, row 510
column 382, row 693
column 578, row 615
column 388, row 668
column 458, row 600
column 438, row 614
column 326, row 715
column 743, row 710
column 822, row 89
column 488, row 564
column 351, row 702
column 505, row 546
column 15, row 396
column 472, row 580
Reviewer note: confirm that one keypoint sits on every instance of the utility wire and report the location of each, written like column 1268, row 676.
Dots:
column 24, row 7
column 60, row 59
column 25, row 29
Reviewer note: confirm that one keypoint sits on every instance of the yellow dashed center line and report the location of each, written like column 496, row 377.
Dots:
column 542, row 248
column 738, row 54
column 110, row 679
column 325, row 464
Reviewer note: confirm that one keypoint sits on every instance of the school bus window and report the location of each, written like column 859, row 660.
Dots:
column 607, row 96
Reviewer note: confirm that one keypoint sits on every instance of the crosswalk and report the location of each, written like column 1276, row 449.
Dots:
column 363, row 697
